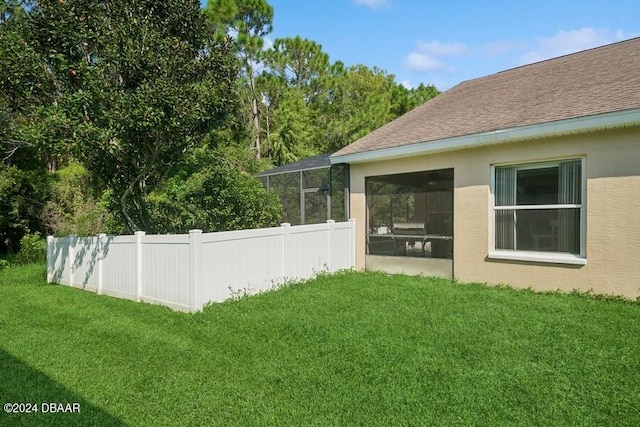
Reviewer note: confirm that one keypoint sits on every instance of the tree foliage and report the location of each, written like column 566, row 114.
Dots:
column 296, row 102
column 299, row 62
column 76, row 205
column 334, row 104
column 25, row 91
column 22, row 196
column 137, row 83
column 358, row 102
column 249, row 21
column 136, row 114
column 212, row 194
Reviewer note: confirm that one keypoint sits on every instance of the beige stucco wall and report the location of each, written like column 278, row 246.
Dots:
column 612, row 211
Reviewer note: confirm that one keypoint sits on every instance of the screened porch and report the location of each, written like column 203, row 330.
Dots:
column 411, row 214
column 311, row 190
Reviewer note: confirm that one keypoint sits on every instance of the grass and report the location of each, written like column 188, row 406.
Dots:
column 347, row 349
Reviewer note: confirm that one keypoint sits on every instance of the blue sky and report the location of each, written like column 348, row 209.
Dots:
column 446, row 42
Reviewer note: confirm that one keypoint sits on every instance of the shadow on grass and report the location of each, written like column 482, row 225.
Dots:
column 21, row 383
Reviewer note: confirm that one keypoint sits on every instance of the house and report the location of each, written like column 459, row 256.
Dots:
column 528, row 177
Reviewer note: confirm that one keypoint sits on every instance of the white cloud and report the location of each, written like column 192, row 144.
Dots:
column 373, row 4
column 621, row 35
column 407, row 84
column 422, row 62
column 497, row 48
column 440, row 84
column 438, row 48
column 444, row 64
column 426, row 56
column 569, row 41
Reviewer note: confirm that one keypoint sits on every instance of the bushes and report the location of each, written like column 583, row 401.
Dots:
column 22, row 193
column 74, row 206
column 212, row 195
column 33, row 249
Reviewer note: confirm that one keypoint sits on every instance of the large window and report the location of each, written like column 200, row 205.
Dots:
column 411, row 214
column 539, row 207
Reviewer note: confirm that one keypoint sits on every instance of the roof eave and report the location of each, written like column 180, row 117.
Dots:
column 578, row 125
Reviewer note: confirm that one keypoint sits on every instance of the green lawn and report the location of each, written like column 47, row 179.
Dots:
column 348, row 349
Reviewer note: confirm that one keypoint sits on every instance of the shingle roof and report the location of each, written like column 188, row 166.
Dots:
column 594, row 81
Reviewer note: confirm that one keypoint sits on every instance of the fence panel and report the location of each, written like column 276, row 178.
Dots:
column 165, row 265
column 58, row 264
column 237, row 262
column 342, row 246
column 187, row 271
column 120, row 267
column 85, row 263
column 307, row 251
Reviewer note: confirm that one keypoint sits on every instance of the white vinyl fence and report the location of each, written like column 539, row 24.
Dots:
column 189, row 270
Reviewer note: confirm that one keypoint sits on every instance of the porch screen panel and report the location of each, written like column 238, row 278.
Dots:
column 338, row 194
column 315, row 207
column 410, row 214
column 287, row 187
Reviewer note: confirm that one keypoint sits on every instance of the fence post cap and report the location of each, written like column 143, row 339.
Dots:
column 50, row 239
column 195, row 231
column 140, row 233
column 331, row 221
column 286, row 224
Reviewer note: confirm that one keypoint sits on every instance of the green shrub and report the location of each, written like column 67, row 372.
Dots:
column 75, row 207
column 211, row 194
column 33, row 249
column 4, row 264
column 22, row 195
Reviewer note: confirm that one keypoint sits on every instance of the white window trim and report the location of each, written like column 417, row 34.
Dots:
column 546, row 257
column 535, row 256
